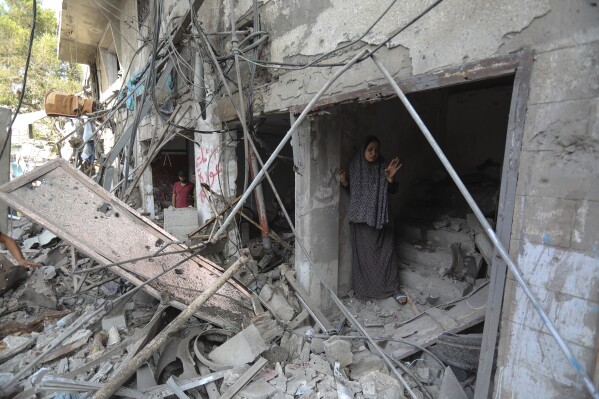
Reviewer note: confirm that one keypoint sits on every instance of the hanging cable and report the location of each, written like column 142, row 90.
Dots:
column 31, row 37
column 297, row 66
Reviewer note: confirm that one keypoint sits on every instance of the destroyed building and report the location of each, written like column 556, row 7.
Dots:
column 226, row 90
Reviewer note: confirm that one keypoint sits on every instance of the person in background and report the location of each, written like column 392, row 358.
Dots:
column 183, row 191
column 369, row 179
column 14, row 249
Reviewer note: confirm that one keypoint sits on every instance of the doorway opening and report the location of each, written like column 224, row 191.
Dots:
column 443, row 254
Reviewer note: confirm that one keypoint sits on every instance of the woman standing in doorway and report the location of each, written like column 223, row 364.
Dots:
column 369, row 178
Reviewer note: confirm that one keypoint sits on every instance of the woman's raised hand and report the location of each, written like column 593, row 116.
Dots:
column 392, row 169
column 342, row 177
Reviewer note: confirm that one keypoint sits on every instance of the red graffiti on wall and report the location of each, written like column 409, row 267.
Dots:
column 208, row 170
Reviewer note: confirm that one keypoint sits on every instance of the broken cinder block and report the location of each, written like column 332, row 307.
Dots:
column 338, row 350
column 243, row 348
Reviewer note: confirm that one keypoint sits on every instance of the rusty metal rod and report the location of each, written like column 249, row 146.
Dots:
column 490, row 232
column 129, row 368
column 284, row 141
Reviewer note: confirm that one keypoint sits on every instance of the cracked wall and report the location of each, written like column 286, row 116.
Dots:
column 557, row 196
column 557, row 200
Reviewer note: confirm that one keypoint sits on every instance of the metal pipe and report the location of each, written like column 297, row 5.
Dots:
column 492, row 236
column 127, row 369
column 259, row 194
column 285, row 139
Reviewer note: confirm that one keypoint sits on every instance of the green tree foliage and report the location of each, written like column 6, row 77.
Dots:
column 46, row 71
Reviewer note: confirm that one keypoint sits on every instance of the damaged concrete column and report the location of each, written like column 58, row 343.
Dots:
column 316, row 158
column 4, row 163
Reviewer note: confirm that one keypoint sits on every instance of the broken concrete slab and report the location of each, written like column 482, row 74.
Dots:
column 364, row 362
column 376, row 385
column 243, row 348
column 109, row 231
column 15, row 345
column 114, row 319
column 425, row 330
column 258, row 389
column 181, row 221
column 338, row 350
column 450, row 387
column 281, row 307
column 38, row 292
column 293, row 344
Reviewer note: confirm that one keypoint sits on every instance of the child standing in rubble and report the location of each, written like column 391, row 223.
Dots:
column 369, row 179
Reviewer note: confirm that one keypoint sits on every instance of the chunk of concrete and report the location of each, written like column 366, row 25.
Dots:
column 243, row 348
column 38, row 292
column 258, row 389
column 266, row 293
column 293, row 344
column 317, row 345
column 377, row 385
column 114, row 320
column 281, row 307
column 320, row 365
column 181, row 221
column 450, row 386
column 364, row 362
column 338, row 350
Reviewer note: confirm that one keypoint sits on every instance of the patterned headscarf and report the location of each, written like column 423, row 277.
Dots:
column 369, row 200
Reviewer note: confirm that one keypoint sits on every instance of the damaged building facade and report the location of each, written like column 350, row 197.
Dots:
column 509, row 90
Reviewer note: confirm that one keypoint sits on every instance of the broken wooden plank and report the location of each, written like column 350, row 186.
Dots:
column 442, row 317
column 75, row 208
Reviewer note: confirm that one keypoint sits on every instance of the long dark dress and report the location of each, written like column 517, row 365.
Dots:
column 375, row 272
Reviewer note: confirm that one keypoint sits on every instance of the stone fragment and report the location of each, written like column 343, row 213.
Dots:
column 281, row 307
column 317, row 345
column 38, row 292
column 320, row 365
column 423, row 374
column 266, row 293
column 338, row 350
column 378, row 385
column 258, row 389
column 49, row 272
column 15, row 341
column 280, row 381
column 113, row 336
column 293, row 344
column 241, row 349
column 114, row 320
column 364, row 362
column 450, row 386
column 110, row 288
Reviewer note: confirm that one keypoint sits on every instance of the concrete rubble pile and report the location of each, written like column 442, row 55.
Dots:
column 280, row 352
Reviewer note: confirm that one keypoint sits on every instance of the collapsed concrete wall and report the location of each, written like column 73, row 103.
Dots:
column 554, row 238
column 556, row 202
